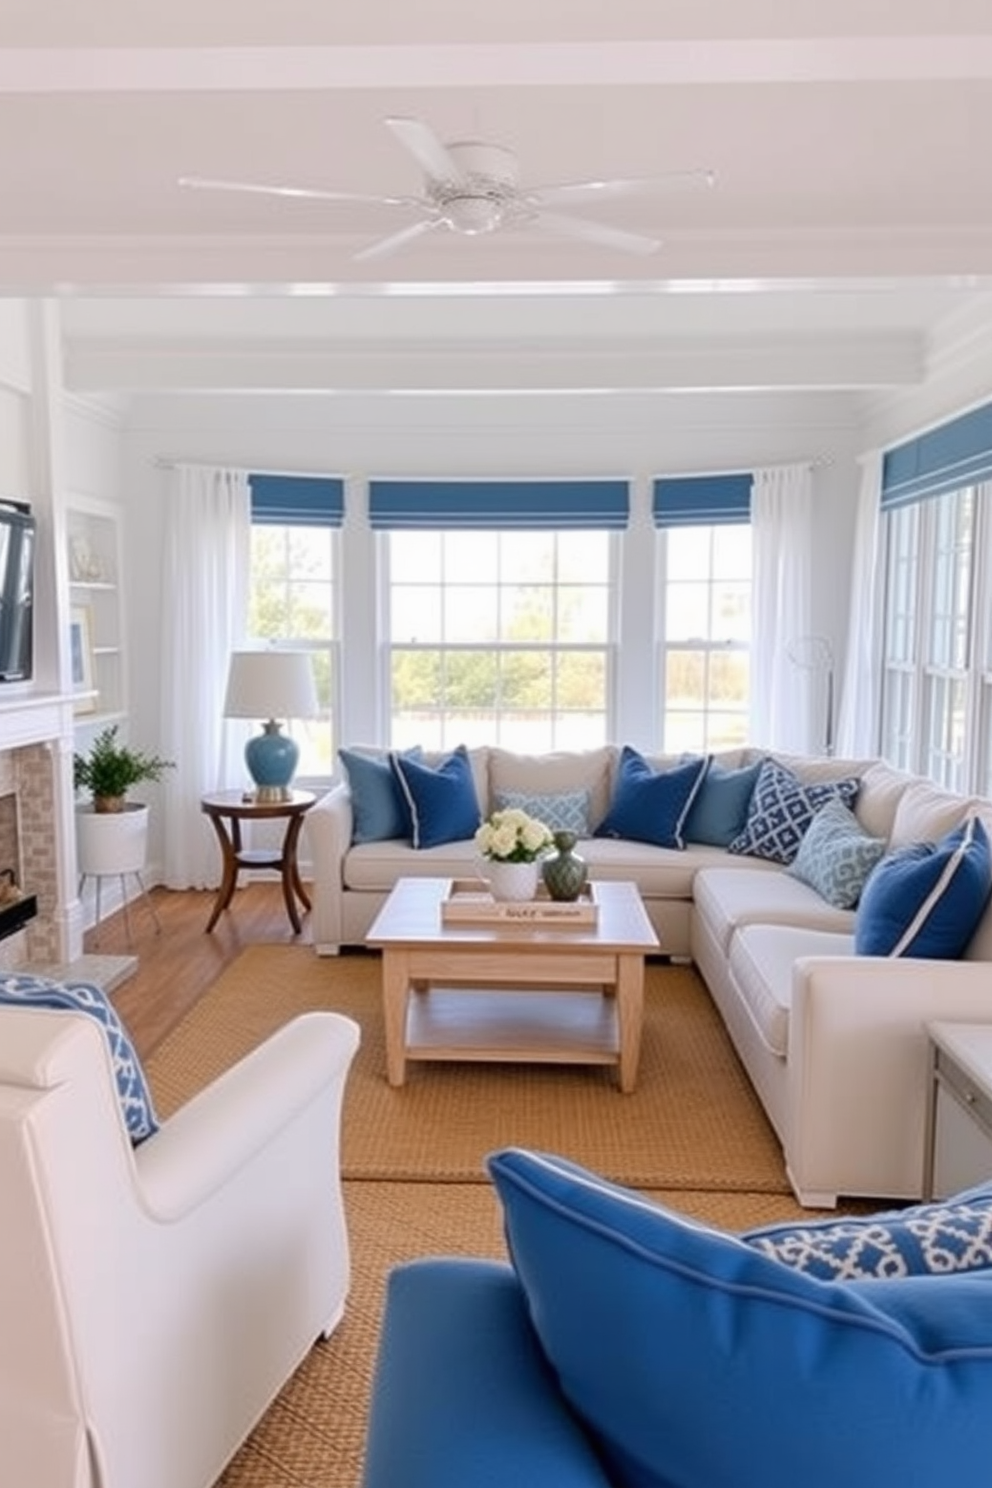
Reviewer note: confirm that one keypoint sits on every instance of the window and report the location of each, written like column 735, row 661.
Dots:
column 293, row 605
column 705, row 652
column 500, row 637
column 937, row 643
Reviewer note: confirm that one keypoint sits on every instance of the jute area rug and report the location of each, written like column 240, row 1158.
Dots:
column 692, row 1134
column 693, row 1122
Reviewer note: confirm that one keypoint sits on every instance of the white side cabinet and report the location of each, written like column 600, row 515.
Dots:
column 93, row 536
column 958, row 1143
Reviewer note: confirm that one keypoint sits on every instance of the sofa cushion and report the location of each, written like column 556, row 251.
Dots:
column 753, row 892
column 927, row 899
column 379, row 809
column 761, row 961
column 925, row 813
column 548, row 774
column 882, row 788
column 562, row 811
column 781, row 810
column 19, row 989
column 651, row 805
column 441, row 799
column 952, row 1234
column 693, row 1359
column 836, row 856
column 374, row 867
column 719, row 812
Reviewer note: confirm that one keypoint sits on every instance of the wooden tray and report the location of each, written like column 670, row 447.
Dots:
column 469, row 901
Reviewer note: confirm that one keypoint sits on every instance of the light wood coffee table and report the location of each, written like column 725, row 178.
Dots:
column 512, row 992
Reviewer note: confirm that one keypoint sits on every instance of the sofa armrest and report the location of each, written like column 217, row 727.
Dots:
column 462, row 1393
column 220, row 1130
column 858, row 1067
column 328, row 827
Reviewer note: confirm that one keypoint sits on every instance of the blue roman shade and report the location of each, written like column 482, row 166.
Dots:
column 499, row 504
column 297, row 500
column 702, row 500
column 956, row 454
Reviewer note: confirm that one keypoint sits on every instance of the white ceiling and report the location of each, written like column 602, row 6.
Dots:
column 846, row 242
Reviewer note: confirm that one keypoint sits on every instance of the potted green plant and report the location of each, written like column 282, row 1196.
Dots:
column 110, row 769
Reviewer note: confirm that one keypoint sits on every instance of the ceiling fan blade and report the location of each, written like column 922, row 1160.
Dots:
column 567, row 191
column 595, row 232
column 433, row 157
column 382, row 247
column 203, row 183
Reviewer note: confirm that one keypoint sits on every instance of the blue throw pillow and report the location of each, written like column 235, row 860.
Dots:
column 379, row 810
column 562, row 811
column 21, row 990
column 441, row 799
column 927, row 1239
column 927, row 899
column 836, row 855
column 651, row 805
column 781, row 809
column 692, row 1358
column 719, row 812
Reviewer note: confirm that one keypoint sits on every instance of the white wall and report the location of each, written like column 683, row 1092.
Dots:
column 637, row 436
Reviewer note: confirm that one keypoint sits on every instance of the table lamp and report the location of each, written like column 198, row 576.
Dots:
column 270, row 685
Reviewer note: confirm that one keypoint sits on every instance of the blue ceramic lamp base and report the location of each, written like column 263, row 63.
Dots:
column 272, row 758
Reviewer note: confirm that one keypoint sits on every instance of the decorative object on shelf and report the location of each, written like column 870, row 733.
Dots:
column 266, row 685
column 565, row 872
column 85, row 565
column 110, row 769
column 81, row 658
column 511, row 840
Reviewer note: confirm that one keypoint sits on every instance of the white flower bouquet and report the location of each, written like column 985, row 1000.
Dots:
column 511, row 836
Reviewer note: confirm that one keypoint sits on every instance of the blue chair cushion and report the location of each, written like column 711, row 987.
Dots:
column 378, row 807
column 949, row 1235
column 694, row 1359
column 927, row 899
column 651, row 805
column 781, row 809
column 440, row 798
column 719, row 810
column 22, row 990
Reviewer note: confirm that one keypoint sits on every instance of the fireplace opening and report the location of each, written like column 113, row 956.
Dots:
column 16, row 907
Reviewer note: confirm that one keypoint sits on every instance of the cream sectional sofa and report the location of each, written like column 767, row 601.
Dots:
column 833, row 1043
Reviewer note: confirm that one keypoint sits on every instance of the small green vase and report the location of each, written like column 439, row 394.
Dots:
column 566, row 872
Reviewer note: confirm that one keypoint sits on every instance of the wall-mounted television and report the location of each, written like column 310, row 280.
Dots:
column 17, row 535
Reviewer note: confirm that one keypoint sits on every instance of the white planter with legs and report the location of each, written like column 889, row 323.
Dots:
column 112, row 844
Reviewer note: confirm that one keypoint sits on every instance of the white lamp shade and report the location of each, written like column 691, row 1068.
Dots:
column 270, row 684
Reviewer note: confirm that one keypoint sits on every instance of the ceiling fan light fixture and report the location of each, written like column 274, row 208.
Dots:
column 473, row 214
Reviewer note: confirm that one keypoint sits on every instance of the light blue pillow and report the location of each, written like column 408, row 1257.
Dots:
column 781, row 809
column 927, row 899
column 719, row 811
column 441, row 799
column 21, row 990
column 564, row 811
column 651, row 805
column 379, row 811
column 692, row 1358
column 836, row 855
column 936, row 1239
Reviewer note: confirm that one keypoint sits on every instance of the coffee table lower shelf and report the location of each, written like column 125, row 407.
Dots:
column 519, row 1027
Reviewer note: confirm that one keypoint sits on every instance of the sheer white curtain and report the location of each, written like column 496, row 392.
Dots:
column 782, row 539
column 204, row 612
column 860, row 690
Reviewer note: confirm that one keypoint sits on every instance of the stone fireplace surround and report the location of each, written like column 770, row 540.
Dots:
column 36, row 829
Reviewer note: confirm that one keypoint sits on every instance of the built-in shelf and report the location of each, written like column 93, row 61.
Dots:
column 94, row 565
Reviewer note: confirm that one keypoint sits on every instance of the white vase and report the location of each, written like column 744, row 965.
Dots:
column 111, row 842
column 512, row 881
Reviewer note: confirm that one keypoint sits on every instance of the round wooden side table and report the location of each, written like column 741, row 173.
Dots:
column 227, row 810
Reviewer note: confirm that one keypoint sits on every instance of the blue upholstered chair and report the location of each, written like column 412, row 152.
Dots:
column 629, row 1347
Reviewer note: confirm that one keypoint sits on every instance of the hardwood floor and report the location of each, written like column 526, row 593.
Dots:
column 179, row 963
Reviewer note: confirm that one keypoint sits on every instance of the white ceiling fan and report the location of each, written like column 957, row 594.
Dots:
column 471, row 187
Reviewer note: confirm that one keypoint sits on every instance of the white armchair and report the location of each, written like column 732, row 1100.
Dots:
column 154, row 1300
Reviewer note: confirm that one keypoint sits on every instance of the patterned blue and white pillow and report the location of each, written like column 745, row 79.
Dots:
column 21, row 990
column 562, row 811
column 952, row 1234
column 836, row 855
column 781, row 810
